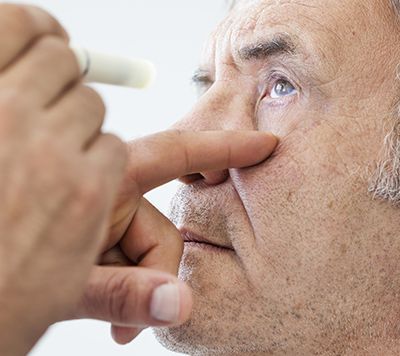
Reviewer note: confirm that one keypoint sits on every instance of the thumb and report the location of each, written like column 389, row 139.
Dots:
column 135, row 297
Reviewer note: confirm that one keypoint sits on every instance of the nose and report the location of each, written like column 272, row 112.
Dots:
column 218, row 109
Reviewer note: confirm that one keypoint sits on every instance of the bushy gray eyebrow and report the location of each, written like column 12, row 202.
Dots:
column 279, row 44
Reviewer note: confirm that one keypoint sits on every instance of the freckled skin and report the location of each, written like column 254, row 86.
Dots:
column 315, row 268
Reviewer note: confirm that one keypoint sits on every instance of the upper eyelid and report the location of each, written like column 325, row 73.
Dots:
column 202, row 78
column 274, row 76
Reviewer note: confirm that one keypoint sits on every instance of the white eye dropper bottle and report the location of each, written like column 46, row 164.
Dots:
column 108, row 69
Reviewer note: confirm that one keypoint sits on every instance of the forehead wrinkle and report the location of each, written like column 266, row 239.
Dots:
column 254, row 20
column 260, row 22
column 321, row 43
column 223, row 40
column 232, row 32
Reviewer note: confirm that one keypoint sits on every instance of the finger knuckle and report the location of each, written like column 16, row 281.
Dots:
column 117, row 149
column 121, row 292
column 10, row 109
column 19, row 19
column 46, row 19
column 53, row 49
column 93, row 102
column 22, row 20
column 177, row 138
column 116, row 144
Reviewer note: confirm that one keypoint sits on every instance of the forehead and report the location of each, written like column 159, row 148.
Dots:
column 252, row 15
column 323, row 28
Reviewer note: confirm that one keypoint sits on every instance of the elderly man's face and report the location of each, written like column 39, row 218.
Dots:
column 311, row 262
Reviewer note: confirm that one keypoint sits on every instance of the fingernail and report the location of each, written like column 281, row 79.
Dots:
column 165, row 303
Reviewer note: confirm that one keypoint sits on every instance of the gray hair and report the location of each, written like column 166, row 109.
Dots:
column 385, row 182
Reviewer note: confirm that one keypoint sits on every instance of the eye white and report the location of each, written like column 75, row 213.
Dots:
column 281, row 89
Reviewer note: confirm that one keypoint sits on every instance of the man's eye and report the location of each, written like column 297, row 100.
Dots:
column 281, row 89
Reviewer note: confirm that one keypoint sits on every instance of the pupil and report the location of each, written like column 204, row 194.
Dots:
column 282, row 88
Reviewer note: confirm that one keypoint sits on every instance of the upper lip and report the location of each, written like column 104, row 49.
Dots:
column 190, row 236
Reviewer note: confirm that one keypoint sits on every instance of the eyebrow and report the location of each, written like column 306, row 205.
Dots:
column 280, row 44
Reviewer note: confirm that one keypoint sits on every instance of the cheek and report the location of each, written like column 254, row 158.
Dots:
column 270, row 195
column 296, row 117
column 287, row 200
column 276, row 177
column 278, row 121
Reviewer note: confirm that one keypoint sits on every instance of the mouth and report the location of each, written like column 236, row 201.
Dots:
column 193, row 240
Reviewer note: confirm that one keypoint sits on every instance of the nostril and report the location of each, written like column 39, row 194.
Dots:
column 190, row 178
column 210, row 178
column 215, row 177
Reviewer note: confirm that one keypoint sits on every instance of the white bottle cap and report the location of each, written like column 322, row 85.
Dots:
column 109, row 69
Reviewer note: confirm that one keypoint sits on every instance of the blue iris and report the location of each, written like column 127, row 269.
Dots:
column 282, row 88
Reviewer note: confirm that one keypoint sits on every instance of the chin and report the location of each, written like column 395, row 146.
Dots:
column 226, row 317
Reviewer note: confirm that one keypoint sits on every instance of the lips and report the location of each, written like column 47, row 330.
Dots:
column 193, row 239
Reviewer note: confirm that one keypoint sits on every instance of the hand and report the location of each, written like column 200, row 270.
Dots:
column 58, row 177
column 144, row 237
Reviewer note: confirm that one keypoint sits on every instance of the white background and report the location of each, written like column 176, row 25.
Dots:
column 171, row 34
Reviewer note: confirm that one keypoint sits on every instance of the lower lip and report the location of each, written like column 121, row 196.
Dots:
column 206, row 247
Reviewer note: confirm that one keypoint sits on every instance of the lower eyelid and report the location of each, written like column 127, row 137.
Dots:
column 279, row 102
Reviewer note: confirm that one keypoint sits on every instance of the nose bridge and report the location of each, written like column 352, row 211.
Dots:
column 220, row 108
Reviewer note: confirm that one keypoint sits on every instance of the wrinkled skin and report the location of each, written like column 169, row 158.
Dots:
column 315, row 265
column 71, row 196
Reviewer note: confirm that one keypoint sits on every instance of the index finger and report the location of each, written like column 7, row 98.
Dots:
column 157, row 159
column 20, row 25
